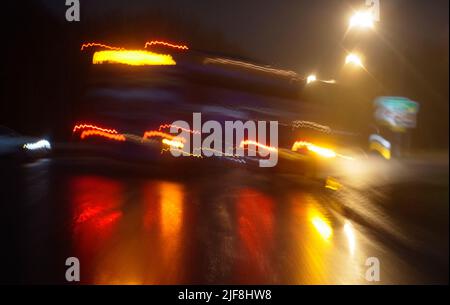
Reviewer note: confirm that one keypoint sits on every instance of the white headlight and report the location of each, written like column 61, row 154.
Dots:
column 41, row 144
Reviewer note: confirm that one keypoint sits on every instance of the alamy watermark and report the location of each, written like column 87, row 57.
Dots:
column 73, row 12
column 373, row 270
column 73, row 272
column 237, row 139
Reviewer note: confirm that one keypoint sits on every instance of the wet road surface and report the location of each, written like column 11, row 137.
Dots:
column 217, row 227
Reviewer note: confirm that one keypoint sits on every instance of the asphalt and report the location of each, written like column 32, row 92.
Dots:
column 228, row 225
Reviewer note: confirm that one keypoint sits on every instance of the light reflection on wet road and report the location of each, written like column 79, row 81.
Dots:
column 233, row 227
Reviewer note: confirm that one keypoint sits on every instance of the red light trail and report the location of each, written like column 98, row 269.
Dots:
column 89, row 126
column 96, row 44
column 181, row 128
column 156, row 133
column 166, row 44
column 93, row 132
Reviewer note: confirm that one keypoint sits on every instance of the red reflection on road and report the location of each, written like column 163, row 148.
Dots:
column 96, row 211
column 255, row 216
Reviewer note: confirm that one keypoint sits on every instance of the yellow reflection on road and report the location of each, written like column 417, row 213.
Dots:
column 350, row 234
column 332, row 184
column 324, row 254
column 322, row 227
column 320, row 223
column 171, row 202
column 312, row 242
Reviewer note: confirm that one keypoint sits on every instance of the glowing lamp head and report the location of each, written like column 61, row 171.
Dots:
column 363, row 19
column 354, row 59
column 311, row 78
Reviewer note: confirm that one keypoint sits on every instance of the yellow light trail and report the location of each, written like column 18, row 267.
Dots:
column 173, row 143
column 324, row 152
column 155, row 133
column 251, row 142
column 265, row 69
column 132, row 58
column 181, row 151
column 312, row 125
column 332, row 184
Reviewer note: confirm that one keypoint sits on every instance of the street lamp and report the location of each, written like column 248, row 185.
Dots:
column 311, row 78
column 362, row 19
column 354, row 59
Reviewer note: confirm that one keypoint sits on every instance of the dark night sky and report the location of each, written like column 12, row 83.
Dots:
column 408, row 52
column 302, row 35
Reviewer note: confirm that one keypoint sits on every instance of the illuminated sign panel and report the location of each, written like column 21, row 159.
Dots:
column 396, row 112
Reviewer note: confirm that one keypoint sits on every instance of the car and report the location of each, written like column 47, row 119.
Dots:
column 16, row 146
column 126, row 111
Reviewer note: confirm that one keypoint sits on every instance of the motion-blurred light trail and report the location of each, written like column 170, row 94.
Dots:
column 155, row 133
column 101, row 45
column 89, row 126
column 89, row 130
column 165, row 126
column 173, row 143
column 324, row 152
column 133, row 58
column 184, row 153
column 41, row 144
column 257, row 144
column 332, row 184
column 166, row 44
column 321, row 151
column 241, row 64
column 311, row 125
column 93, row 132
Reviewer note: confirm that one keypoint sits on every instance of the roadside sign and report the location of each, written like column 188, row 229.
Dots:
column 399, row 113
